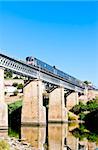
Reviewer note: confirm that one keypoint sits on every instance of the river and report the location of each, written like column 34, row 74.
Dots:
column 66, row 136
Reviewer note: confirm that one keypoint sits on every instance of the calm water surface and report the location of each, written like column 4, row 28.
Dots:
column 58, row 137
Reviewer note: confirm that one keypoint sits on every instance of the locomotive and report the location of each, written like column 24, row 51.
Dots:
column 52, row 69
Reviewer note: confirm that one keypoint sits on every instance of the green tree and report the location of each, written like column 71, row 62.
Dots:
column 15, row 84
column 8, row 74
column 20, row 86
column 87, row 82
column 16, row 77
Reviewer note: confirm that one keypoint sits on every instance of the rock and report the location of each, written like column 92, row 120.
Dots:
column 23, row 139
column 16, row 144
column 25, row 143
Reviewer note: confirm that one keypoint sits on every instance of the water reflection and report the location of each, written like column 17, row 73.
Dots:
column 38, row 137
column 60, row 137
column 34, row 135
column 57, row 136
column 87, row 139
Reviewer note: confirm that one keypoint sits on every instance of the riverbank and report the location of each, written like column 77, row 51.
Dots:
column 11, row 143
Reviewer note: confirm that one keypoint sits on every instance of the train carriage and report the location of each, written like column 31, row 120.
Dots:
column 52, row 69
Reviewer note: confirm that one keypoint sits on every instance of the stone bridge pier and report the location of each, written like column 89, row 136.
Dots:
column 60, row 102
column 57, row 109
column 33, row 111
column 3, row 105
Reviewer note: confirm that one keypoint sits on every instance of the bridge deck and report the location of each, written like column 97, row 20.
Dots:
column 25, row 69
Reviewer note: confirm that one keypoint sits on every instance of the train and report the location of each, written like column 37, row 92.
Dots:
column 52, row 69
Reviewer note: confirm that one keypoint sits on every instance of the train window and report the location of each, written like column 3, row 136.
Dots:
column 27, row 58
column 45, row 65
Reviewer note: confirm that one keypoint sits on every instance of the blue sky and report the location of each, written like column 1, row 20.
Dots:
column 64, row 34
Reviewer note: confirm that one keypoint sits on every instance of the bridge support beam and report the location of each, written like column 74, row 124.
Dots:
column 33, row 111
column 57, row 110
column 3, row 105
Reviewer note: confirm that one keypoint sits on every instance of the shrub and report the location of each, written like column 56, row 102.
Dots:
column 76, row 109
column 82, row 116
column 12, row 107
column 15, row 93
column 79, row 108
column 8, row 74
column 4, row 145
column 15, row 84
column 92, row 105
column 16, row 77
column 20, row 86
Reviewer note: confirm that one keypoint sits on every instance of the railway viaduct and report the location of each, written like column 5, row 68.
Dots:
column 40, row 84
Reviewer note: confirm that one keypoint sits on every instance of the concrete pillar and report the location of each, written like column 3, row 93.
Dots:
column 33, row 111
column 57, row 110
column 3, row 105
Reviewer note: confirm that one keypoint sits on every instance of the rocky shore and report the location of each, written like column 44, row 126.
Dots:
column 15, row 144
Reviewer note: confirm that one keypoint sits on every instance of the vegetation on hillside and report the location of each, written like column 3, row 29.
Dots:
column 12, row 107
column 15, row 84
column 83, row 109
column 4, row 145
column 8, row 74
column 87, row 82
column 19, row 86
column 14, row 118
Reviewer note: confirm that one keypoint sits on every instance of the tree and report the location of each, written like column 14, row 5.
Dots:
column 16, row 77
column 15, row 84
column 20, row 86
column 15, row 93
column 87, row 82
column 8, row 74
